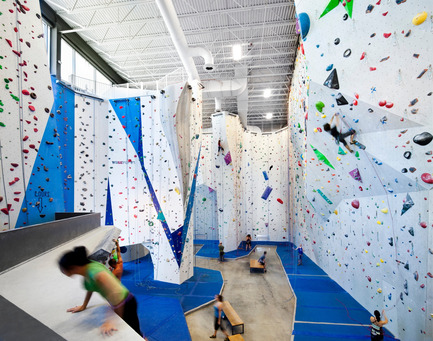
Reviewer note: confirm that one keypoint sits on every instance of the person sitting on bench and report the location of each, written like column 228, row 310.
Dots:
column 335, row 131
column 262, row 260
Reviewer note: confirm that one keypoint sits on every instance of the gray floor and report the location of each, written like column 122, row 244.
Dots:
column 263, row 301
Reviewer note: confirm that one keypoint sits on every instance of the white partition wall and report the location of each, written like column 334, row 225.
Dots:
column 365, row 217
column 239, row 175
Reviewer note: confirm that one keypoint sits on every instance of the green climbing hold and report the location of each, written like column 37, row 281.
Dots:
column 357, row 154
column 341, row 151
column 322, row 157
column 319, row 106
column 15, row 98
column 2, row 124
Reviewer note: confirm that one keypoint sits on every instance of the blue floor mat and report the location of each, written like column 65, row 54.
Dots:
column 161, row 306
column 321, row 299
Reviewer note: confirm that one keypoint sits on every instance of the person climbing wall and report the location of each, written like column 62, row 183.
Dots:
column 335, row 131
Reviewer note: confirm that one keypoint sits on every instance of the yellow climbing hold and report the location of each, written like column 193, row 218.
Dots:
column 177, row 190
column 323, row 116
column 336, row 212
column 379, row 290
column 381, row 260
column 384, row 210
column 366, row 251
column 377, row 264
column 338, row 159
column 315, row 130
column 379, row 222
column 419, row 18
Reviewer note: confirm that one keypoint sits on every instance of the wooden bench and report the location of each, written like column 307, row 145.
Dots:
column 236, row 337
column 233, row 318
column 255, row 266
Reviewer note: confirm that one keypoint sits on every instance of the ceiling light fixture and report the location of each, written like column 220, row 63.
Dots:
column 237, row 52
column 269, row 115
column 267, row 93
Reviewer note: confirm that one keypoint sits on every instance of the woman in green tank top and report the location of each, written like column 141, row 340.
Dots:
column 98, row 278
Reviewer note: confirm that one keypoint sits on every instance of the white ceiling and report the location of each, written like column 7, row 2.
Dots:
column 131, row 36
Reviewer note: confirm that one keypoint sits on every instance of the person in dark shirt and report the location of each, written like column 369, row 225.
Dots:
column 262, row 260
column 221, row 249
column 335, row 131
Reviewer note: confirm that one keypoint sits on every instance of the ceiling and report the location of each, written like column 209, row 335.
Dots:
column 132, row 37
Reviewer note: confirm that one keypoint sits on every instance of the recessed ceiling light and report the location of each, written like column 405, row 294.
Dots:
column 237, row 52
column 269, row 115
column 267, row 93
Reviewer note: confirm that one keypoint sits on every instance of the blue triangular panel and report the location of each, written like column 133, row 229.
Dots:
column 129, row 113
column 53, row 163
column 109, row 210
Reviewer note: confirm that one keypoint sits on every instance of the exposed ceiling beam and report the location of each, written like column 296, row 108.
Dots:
column 153, row 20
column 150, row 37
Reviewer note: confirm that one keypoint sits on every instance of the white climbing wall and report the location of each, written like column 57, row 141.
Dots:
column 365, row 217
column 25, row 103
column 240, row 184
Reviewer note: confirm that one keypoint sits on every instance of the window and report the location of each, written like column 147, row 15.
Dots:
column 77, row 71
column 67, row 64
column 47, row 36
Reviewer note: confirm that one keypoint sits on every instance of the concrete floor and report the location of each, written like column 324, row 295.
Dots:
column 264, row 302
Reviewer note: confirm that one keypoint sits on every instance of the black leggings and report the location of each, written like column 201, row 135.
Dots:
column 130, row 314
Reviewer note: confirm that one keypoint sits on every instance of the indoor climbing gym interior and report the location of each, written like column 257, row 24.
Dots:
column 187, row 170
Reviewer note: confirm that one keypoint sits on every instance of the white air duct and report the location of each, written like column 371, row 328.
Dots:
column 186, row 53
column 217, row 104
column 229, row 88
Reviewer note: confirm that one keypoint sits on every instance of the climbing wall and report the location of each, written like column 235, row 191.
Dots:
column 25, row 103
column 148, row 176
column 252, row 165
column 364, row 217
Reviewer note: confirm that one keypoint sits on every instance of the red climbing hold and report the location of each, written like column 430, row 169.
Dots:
column 423, row 224
column 384, row 14
column 427, row 178
column 355, row 102
column 382, row 103
column 25, row 138
column 389, row 105
column 9, row 42
column 387, row 35
column 5, row 211
column 25, row 92
column 372, row 68
column 280, row 201
column 32, row 108
column 362, row 56
column 355, row 204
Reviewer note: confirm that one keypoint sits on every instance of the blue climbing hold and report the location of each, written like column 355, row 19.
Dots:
column 303, row 23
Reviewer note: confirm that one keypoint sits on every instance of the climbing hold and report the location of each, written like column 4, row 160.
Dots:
column 356, row 175
column 379, row 290
column 384, row 210
column 419, row 18
column 423, row 139
column 176, row 189
column 389, row 105
column 407, row 155
column 408, row 203
column 347, row 53
column 204, row 199
column 387, row 35
column 335, row 212
column 355, row 204
column 329, row 67
column 423, row 224
column 427, row 178
column 332, row 80
column 322, row 157
column 404, row 170
column 369, row 9
column 382, row 103
column 341, row 100
column 280, row 201
column 266, row 193
column 337, row 41
column 345, row 16
column 319, row 106
column 303, row 23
